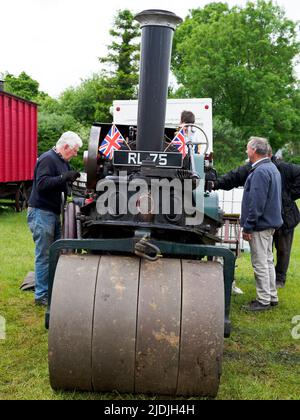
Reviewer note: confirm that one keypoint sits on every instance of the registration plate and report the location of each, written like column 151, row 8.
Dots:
column 134, row 158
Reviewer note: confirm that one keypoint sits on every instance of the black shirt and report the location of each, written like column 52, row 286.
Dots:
column 234, row 179
column 47, row 183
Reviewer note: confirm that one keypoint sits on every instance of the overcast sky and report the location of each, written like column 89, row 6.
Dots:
column 58, row 42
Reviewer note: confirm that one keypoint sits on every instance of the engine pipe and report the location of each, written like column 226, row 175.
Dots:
column 158, row 27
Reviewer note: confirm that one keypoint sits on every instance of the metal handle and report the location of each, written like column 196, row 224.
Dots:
column 141, row 250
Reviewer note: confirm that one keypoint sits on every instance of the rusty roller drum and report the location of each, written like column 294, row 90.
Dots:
column 123, row 323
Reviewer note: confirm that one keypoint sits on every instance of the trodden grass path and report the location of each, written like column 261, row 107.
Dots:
column 261, row 359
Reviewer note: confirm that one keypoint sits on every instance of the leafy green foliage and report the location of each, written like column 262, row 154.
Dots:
column 52, row 126
column 293, row 159
column 49, row 105
column 123, row 54
column 22, row 85
column 229, row 148
column 244, row 59
column 81, row 102
column 120, row 77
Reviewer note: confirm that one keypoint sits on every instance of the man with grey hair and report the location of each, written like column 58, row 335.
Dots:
column 261, row 216
column 51, row 177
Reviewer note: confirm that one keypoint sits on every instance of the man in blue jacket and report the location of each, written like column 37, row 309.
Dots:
column 283, row 237
column 261, row 216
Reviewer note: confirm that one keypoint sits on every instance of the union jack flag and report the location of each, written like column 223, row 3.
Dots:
column 113, row 141
column 179, row 142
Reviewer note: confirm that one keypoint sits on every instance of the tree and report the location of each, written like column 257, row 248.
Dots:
column 120, row 77
column 292, row 149
column 52, row 126
column 229, row 148
column 244, row 59
column 22, row 85
column 49, row 105
column 81, row 102
column 123, row 55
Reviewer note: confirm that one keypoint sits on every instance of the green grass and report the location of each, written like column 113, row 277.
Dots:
column 261, row 359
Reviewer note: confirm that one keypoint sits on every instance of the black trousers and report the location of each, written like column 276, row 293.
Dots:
column 283, row 241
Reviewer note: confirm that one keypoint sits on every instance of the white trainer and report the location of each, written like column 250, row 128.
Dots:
column 236, row 290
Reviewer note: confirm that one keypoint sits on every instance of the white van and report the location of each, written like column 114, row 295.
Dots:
column 125, row 112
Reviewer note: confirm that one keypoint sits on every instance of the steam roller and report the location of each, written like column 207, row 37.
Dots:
column 139, row 289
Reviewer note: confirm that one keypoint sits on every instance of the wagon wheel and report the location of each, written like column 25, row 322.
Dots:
column 21, row 201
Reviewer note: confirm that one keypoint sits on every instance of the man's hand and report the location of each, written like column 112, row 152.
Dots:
column 70, row 176
column 247, row 236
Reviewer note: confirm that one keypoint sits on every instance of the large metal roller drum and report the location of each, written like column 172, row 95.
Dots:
column 126, row 324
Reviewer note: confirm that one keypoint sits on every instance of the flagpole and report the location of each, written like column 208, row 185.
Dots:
column 168, row 147
column 127, row 144
column 176, row 132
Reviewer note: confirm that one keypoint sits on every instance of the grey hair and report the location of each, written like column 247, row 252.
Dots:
column 260, row 145
column 71, row 139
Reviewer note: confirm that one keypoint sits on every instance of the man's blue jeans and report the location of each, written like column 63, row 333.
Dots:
column 46, row 229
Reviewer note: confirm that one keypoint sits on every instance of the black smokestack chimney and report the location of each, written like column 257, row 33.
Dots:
column 1, row 85
column 158, row 27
